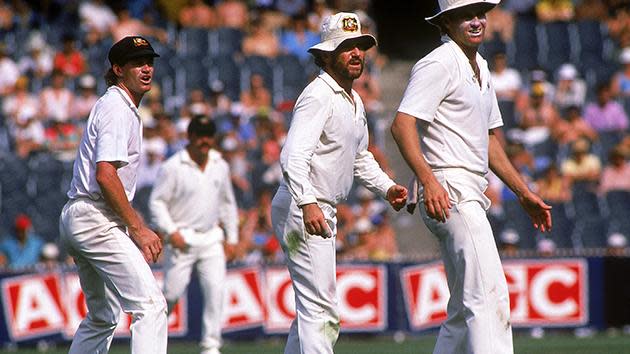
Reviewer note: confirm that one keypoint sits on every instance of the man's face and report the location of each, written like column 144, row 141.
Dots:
column 137, row 75
column 200, row 144
column 467, row 25
column 348, row 60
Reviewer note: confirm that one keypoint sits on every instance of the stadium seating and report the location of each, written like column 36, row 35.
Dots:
column 225, row 42
column 193, row 43
column 618, row 205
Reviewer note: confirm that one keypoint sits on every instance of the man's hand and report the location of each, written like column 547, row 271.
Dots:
column 436, row 201
column 231, row 251
column 314, row 220
column 538, row 211
column 177, row 241
column 397, row 196
column 148, row 242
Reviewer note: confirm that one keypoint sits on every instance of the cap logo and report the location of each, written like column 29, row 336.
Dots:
column 140, row 42
column 350, row 24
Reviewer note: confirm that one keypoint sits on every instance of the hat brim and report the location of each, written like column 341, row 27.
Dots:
column 330, row 45
column 435, row 19
column 148, row 53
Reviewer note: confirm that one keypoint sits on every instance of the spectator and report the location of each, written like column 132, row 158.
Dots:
column 567, row 131
column 621, row 80
column 96, row 17
column 257, row 97
column 605, row 114
column 591, row 10
column 292, row 7
column 616, row 175
column 23, row 248
column 508, row 243
column 38, row 63
column 85, row 100
column 56, row 100
column 69, row 60
column 296, row 39
column 320, row 11
column 232, row 14
column 197, row 14
column 129, row 26
column 10, row 71
column 617, row 245
column 219, row 102
column 197, row 104
column 555, row 10
column 49, row 258
column 546, row 247
column 20, row 106
column 507, row 81
column 62, row 139
column 570, row 90
column 261, row 41
column 499, row 30
column 553, row 187
column 582, row 166
column 536, row 118
column 370, row 91
column 240, row 168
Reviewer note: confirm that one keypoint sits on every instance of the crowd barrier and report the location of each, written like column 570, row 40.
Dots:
column 373, row 298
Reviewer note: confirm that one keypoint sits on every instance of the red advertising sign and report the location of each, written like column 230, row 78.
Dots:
column 361, row 292
column 32, row 306
column 549, row 293
column 243, row 307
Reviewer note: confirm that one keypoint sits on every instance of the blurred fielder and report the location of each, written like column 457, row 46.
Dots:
column 326, row 148
column 110, row 243
column 191, row 199
column 452, row 101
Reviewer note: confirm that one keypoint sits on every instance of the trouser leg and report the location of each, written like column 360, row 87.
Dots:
column 212, row 271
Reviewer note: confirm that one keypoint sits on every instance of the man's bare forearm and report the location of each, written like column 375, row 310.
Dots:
column 114, row 195
column 501, row 166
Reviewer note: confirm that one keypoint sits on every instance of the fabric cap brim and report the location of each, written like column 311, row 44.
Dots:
column 330, row 45
column 435, row 19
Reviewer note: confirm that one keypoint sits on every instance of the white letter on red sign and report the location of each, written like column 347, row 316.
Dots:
column 36, row 303
column 433, row 295
column 540, row 292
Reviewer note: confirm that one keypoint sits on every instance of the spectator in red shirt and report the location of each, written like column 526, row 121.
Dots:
column 69, row 60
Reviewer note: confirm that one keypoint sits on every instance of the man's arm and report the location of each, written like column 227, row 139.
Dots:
column 538, row 211
column 114, row 193
column 405, row 134
column 161, row 194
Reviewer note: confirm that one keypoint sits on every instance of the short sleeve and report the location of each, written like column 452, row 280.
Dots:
column 112, row 136
column 426, row 89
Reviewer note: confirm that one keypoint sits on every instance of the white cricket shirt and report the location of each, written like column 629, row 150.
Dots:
column 186, row 197
column 326, row 146
column 113, row 133
column 443, row 91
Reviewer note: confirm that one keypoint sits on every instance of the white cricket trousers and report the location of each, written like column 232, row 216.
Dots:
column 478, row 309
column 113, row 275
column 312, row 266
column 210, row 263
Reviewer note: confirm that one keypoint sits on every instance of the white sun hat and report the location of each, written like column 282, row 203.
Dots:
column 340, row 27
column 448, row 5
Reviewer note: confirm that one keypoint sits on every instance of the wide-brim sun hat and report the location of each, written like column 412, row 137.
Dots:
column 448, row 5
column 339, row 28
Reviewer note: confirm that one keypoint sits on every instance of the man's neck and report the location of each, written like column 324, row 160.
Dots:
column 135, row 97
column 346, row 84
column 200, row 159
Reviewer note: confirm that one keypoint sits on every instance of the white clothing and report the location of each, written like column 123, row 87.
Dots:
column 10, row 73
column 458, row 114
column 509, row 80
column 444, row 92
column 113, row 275
column 97, row 16
column 57, row 104
column 20, row 109
column 186, row 197
column 194, row 202
column 113, row 133
column 329, row 133
column 326, row 147
column 478, row 308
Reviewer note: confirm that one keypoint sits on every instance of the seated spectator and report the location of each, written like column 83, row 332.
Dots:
column 570, row 90
column 297, row 38
column 197, row 104
column 38, row 63
column 49, row 258
column 617, row 245
column 536, row 119
column 508, row 243
column 219, row 102
column 320, row 11
column 582, row 166
column 554, row 10
column 21, row 105
column 85, row 100
column 620, row 86
column 153, row 154
column 240, row 169
column 618, row 23
column 573, row 127
column 369, row 89
column 56, row 100
column 197, row 14
column 553, row 187
column 69, row 60
column 616, row 174
column 591, row 10
column 62, row 139
column 257, row 97
column 261, row 41
column 232, row 14
column 291, row 7
column 96, row 17
column 499, row 30
column 126, row 25
column 23, row 248
column 605, row 114
column 28, row 137
column 506, row 81
column 546, row 247
column 10, row 71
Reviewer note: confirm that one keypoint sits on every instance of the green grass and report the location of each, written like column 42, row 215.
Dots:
column 551, row 344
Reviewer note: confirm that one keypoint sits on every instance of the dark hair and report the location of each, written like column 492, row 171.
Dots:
column 111, row 78
column 201, row 125
column 318, row 57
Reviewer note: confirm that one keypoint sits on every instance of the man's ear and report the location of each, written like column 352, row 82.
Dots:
column 117, row 70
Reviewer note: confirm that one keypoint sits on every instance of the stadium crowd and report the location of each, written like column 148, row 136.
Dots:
column 561, row 70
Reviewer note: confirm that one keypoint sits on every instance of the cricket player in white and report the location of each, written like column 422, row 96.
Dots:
column 452, row 102
column 192, row 203
column 326, row 148
column 110, row 243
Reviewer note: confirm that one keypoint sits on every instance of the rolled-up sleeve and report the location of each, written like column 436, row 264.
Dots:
column 309, row 118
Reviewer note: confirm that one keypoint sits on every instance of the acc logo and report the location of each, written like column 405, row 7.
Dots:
column 350, row 24
column 140, row 42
